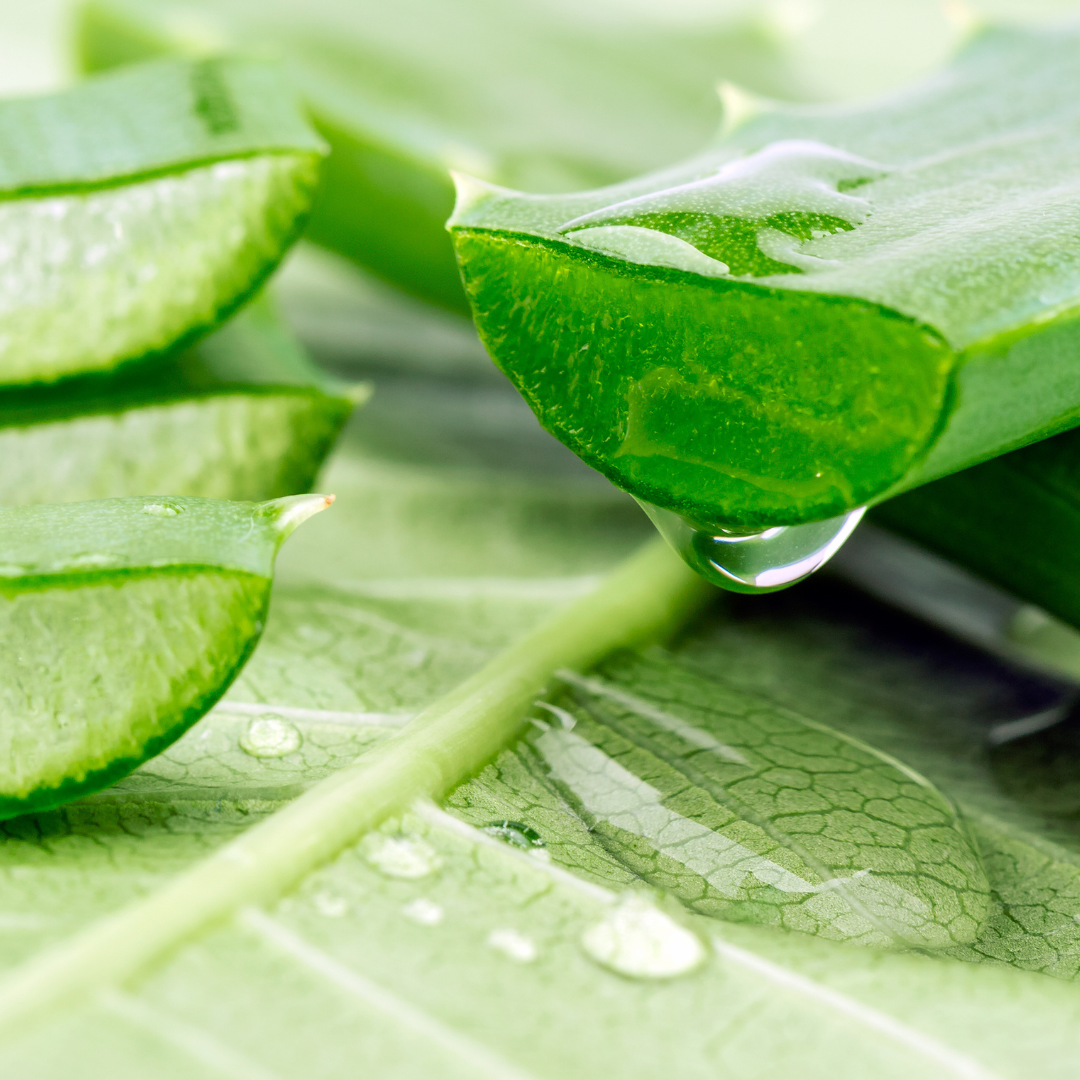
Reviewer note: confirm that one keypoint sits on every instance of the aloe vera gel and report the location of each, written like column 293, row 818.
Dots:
column 141, row 208
column 123, row 621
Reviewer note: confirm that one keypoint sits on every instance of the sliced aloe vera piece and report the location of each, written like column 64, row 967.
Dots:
column 142, row 207
column 122, row 621
column 242, row 415
column 835, row 305
column 543, row 95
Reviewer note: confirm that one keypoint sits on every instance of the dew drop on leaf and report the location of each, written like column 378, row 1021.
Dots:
column 401, row 856
column 639, row 940
column 270, row 737
column 423, row 911
column 514, row 945
column 163, row 509
column 754, row 562
column 515, row 833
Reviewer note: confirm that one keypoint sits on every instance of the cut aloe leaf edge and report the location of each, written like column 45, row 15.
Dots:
column 243, row 415
column 833, row 306
column 126, row 619
column 141, row 208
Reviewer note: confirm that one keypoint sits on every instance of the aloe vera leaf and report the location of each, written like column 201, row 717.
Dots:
column 815, row 315
column 124, row 621
column 140, row 208
column 243, row 414
column 540, row 96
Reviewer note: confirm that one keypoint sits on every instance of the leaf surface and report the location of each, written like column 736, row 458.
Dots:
column 468, row 966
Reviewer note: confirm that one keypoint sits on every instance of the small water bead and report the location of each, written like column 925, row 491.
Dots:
column 89, row 560
column 270, row 737
column 423, row 911
column 163, row 509
column 754, row 562
column 401, row 856
column 516, row 834
column 333, row 907
column 639, row 940
column 514, row 945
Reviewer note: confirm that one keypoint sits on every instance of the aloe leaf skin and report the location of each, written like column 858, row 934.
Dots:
column 141, row 208
column 242, row 415
column 1014, row 520
column 815, row 315
column 124, row 621
column 531, row 95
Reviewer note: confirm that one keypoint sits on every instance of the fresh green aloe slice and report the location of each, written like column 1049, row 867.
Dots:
column 122, row 622
column 545, row 96
column 141, row 208
column 834, row 305
column 244, row 414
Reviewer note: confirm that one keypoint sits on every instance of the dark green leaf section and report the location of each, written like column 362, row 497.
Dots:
column 527, row 94
column 159, row 117
column 751, row 813
column 244, row 414
column 732, row 405
column 910, row 268
column 1014, row 520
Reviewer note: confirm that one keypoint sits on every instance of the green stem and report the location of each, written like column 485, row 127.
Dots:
column 646, row 598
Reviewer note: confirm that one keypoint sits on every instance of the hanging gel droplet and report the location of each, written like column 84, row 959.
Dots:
column 755, row 562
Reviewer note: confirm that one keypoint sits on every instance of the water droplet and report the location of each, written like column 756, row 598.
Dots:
column 513, row 944
column 756, row 562
column 333, row 907
column 423, row 911
column 401, row 856
column 515, row 834
column 163, row 509
column 639, row 940
column 270, row 737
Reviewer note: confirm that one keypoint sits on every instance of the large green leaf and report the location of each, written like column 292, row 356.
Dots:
column 435, row 947
column 459, row 526
column 832, row 306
